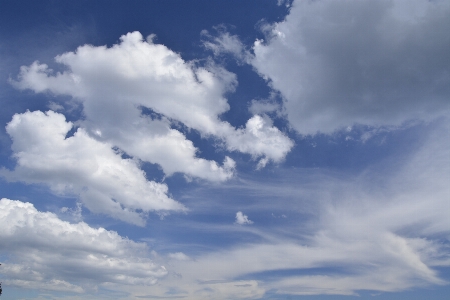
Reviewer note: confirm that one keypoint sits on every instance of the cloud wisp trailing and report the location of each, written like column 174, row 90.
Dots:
column 242, row 219
column 385, row 240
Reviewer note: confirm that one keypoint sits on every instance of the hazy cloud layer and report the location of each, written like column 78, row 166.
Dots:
column 242, row 219
column 377, row 231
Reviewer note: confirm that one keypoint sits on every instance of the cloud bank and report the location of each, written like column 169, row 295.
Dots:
column 50, row 254
column 337, row 63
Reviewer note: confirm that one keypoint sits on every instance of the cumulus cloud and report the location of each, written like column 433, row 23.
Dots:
column 117, row 85
column 338, row 63
column 82, row 166
column 50, row 254
column 260, row 138
column 242, row 219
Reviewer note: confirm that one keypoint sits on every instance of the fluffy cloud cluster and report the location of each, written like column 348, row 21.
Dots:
column 82, row 166
column 131, row 94
column 338, row 63
column 116, row 85
column 50, row 254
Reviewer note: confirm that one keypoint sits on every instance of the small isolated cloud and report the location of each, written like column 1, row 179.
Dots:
column 242, row 219
column 179, row 256
column 225, row 43
column 260, row 139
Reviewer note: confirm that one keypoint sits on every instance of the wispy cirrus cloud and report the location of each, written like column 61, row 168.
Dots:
column 380, row 231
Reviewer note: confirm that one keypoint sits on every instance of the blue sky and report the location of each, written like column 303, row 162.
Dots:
column 225, row 149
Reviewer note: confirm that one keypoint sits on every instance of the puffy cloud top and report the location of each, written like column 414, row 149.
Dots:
column 81, row 165
column 56, row 255
column 114, row 84
column 242, row 219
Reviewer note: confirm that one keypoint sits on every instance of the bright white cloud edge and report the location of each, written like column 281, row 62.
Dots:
column 84, row 167
column 47, row 253
column 114, row 84
column 242, row 219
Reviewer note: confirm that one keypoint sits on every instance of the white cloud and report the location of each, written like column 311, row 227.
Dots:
column 225, row 43
column 259, row 107
column 82, row 166
column 55, row 106
column 337, row 63
column 179, row 256
column 48, row 253
column 260, row 138
column 115, row 83
column 242, row 219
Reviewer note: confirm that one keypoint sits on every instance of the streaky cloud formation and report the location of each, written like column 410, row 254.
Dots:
column 386, row 240
column 50, row 254
column 82, row 166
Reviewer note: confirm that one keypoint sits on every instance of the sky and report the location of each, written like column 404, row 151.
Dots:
column 225, row 149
